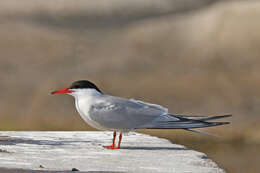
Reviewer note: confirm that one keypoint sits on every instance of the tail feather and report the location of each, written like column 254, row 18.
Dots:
column 201, row 132
column 203, row 118
column 215, row 117
column 183, row 122
column 185, row 125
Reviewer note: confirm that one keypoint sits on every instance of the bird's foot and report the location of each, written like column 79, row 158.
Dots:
column 112, row 147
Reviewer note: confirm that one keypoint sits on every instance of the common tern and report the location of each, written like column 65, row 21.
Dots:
column 106, row 112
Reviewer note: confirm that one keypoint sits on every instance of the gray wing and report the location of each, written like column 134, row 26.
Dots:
column 118, row 113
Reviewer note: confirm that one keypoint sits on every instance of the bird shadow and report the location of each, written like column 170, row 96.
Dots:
column 152, row 148
column 15, row 141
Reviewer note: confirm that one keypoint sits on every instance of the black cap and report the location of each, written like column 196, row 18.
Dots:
column 84, row 84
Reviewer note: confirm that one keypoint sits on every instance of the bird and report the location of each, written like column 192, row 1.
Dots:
column 106, row 112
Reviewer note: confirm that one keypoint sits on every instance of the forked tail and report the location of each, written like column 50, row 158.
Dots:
column 187, row 122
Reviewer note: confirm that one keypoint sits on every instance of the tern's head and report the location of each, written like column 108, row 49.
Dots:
column 79, row 87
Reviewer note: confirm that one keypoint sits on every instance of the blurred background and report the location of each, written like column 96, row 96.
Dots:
column 197, row 57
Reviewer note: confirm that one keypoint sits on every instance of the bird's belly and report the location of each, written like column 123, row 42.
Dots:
column 92, row 123
column 101, row 126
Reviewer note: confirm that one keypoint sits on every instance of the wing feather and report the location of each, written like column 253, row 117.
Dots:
column 120, row 113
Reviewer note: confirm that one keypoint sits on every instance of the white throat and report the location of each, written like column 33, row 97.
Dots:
column 84, row 99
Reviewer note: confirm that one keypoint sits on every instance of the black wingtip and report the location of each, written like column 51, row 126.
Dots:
column 215, row 117
column 219, row 123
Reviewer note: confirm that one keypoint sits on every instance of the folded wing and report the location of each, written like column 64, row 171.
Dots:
column 119, row 113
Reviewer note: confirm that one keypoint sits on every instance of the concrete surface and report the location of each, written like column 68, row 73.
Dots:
column 63, row 151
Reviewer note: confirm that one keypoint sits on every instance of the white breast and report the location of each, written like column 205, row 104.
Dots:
column 83, row 101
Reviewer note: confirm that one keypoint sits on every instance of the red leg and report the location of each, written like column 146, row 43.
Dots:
column 119, row 142
column 113, row 144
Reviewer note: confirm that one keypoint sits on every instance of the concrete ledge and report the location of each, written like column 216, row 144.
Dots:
column 62, row 151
